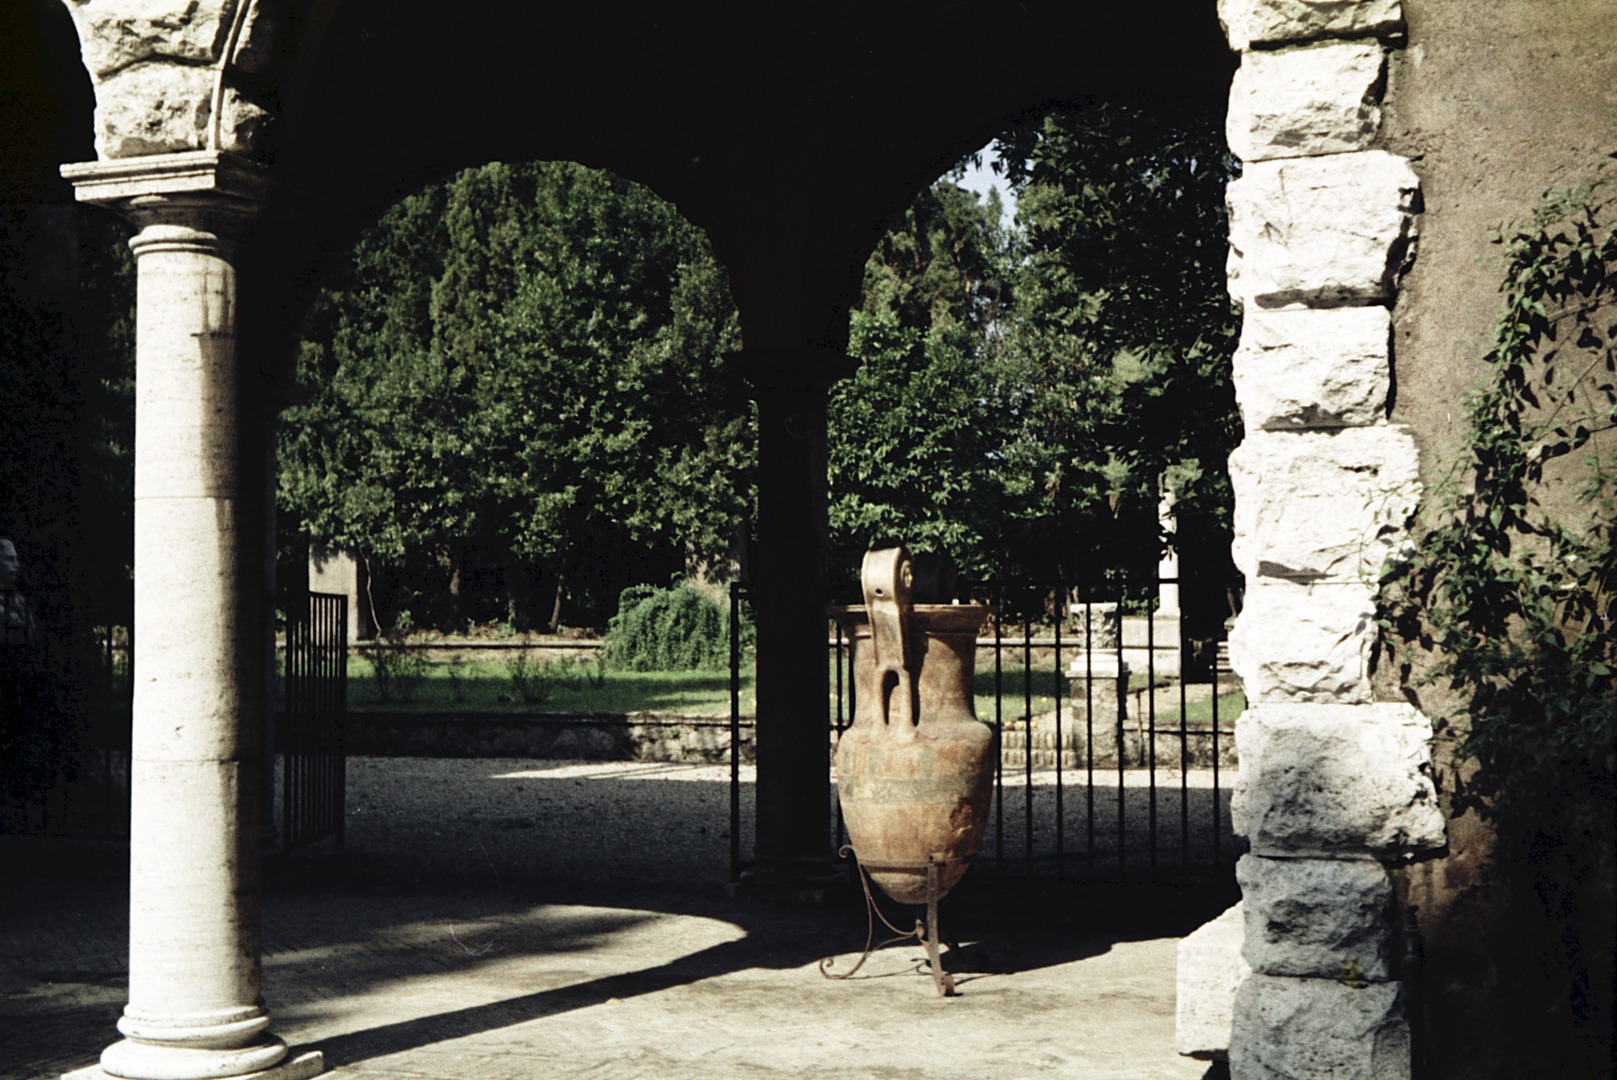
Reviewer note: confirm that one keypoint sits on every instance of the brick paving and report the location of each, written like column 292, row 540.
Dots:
column 518, row 919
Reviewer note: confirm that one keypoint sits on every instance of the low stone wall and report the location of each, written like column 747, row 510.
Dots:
column 556, row 736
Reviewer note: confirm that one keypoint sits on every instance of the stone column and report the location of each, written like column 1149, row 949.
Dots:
column 194, row 1009
column 1334, row 786
column 789, row 585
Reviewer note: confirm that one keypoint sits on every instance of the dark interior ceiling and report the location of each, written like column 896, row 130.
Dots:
column 790, row 131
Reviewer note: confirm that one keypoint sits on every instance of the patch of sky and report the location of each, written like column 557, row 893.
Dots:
column 979, row 177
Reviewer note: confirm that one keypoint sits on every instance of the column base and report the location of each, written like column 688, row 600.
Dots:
column 299, row 1067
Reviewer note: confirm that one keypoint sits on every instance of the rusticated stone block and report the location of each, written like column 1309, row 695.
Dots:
column 1210, row 970
column 1324, row 505
column 1323, row 918
column 1336, row 780
column 1311, row 1029
column 1323, row 99
column 1301, row 642
column 1321, row 231
column 113, row 34
column 1271, row 22
column 162, row 108
column 1321, row 368
column 153, row 109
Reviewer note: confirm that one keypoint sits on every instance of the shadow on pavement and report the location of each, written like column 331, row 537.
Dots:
column 351, row 938
column 1006, row 928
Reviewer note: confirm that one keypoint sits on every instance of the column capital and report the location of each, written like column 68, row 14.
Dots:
column 793, row 369
column 207, row 190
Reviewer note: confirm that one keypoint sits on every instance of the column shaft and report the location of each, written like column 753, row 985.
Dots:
column 789, row 591
column 789, row 585
column 193, row 864
column 194, row 1008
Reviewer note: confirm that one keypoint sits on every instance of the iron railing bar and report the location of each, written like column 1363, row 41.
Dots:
column 1218, row 803
column 735, row 731
column 999, row 730
column 1089, row 729
column 1184, row 754
column 1027, row 735
column 1061, row 747
column 1151, row 732
column 1122, row 737
column 841, row 726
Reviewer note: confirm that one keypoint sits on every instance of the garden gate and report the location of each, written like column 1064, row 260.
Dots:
column 1116, row 736
column 314, row 769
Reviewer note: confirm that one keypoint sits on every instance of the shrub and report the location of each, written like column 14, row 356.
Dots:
column 529, row 680
column 396, row 669
column 675, row 629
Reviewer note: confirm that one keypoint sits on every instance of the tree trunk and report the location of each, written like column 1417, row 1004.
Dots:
column 457, row 611
column 555, row 610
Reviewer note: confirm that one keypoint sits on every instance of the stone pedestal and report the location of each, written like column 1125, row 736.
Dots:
column 1210, row 972
column 194, row 1008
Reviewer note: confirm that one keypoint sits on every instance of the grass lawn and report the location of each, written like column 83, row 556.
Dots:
column 518, row 686
column 515, row 685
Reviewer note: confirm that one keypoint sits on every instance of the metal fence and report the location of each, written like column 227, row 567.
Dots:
column 1116, row 737
column 1122, row 773
column 314, row 768
column 66, row 723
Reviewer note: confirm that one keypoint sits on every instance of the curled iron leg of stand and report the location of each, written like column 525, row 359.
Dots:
column 872, row 913
column 925, row 932
column 942, row 980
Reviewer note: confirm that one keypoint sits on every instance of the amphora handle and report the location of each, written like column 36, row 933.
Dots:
column 888, row 576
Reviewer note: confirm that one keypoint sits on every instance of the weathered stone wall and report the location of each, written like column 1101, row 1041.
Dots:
column 558, row 736
column 1497, row 101
column 1334, row 788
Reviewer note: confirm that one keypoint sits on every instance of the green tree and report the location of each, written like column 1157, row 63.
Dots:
column 1120, row 336
column 1024, row 393
column 521, row 369
column 911, row 430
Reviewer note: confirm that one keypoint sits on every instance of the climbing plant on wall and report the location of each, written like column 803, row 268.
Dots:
column 1512, row 592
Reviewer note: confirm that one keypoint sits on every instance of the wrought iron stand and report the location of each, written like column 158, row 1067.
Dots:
column 925, row 932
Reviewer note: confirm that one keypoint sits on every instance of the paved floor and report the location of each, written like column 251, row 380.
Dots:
column 533, row 920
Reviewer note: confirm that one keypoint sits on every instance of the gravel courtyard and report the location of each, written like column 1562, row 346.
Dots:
column 514, row 918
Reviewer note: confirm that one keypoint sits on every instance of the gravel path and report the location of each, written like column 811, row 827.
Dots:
column 525, row 920
column 583, row 821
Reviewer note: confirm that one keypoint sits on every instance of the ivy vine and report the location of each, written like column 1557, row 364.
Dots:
column 1511, row 593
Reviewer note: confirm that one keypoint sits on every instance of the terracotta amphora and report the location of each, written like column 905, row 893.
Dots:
column 915, row 768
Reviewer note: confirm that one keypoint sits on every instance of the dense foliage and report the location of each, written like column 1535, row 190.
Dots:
column 914, row 432
column 674, row 629
column 1025, row 394
column 519, row 370
column 517, row 376
column 1123, row 337
column 1513, row 588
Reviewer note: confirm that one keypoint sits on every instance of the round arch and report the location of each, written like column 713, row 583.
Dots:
column 788, row 133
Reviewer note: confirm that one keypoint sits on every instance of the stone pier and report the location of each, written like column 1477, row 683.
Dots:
column 194, row 1010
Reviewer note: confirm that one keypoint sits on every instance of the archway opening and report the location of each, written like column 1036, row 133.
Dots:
column 1045, row 394
column 512, row 403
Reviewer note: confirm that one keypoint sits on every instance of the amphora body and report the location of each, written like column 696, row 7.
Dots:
column 915, row 768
